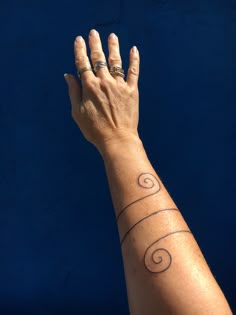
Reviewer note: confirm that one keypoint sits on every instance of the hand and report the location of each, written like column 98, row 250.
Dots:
column 105, row 107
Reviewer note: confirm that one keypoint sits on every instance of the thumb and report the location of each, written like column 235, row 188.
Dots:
column 67, row 78
column 75, row 92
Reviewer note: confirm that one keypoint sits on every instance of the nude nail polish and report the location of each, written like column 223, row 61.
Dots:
column 93, row 32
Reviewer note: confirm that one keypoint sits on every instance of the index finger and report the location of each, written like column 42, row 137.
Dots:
column 82, row 59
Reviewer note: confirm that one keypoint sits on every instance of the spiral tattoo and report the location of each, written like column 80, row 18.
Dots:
column 156, row 259
column 146, row 181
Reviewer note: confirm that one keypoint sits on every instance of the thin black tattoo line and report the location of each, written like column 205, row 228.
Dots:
column 146, row 181
column 148, row 216
column 156, row 266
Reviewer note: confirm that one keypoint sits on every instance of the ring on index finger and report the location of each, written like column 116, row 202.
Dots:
column 82, row 70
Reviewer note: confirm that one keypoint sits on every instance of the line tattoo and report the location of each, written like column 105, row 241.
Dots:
column 157, row 260
column 148, row 216
column 147, row 181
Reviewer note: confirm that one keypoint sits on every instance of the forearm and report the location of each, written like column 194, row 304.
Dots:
column 165, row 270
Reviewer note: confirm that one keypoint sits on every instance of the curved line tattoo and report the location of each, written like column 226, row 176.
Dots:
column 147, row 181
column 148, row 216
column 157, row 260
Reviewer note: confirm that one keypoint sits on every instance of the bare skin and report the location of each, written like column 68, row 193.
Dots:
column 165, row 270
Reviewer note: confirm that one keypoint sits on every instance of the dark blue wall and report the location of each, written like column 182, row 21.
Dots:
column 59, row 243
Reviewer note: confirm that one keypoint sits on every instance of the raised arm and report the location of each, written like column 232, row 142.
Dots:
column 165, row 270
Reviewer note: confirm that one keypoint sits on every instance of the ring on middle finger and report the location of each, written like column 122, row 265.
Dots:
column 99, row 64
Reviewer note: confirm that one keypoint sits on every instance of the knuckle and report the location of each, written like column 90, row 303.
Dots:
column 135, row 92
column 96, row 55
column 82, row 109
column 114, row 60
column 91, row 85
column 134, row 70
column 105, row 83
column 81, row 59
column 133, row 89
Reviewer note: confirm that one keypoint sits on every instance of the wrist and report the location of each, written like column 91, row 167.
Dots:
column 119, row 146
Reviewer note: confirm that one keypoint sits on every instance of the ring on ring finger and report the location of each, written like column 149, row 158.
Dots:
column 117, row 70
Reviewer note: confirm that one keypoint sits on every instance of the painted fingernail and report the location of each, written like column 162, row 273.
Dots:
column 93, row 32
column 79, row 39
column 113, row 36
column 135, row 50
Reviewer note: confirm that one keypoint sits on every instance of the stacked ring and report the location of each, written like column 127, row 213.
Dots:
column 117, row 70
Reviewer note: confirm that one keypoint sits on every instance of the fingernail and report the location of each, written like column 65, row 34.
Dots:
column 79, row 39
column 93, row 32
column 135, row 50
column 113, row 36
column 67, row 78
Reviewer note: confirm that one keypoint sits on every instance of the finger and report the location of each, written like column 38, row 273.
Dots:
column 134, row 65
column 75, row 91
column 97, row 53
column 114, row 58
column 81, row 58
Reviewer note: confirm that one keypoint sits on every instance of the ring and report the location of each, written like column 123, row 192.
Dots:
column 82, row 70
column 117, row 70
column 98, row 65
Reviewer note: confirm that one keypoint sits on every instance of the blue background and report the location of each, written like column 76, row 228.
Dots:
column 59, row 243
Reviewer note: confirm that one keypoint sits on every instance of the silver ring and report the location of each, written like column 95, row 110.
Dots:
column 115, row 65
column 98, row 65
column 117, row 70
column 82, row 70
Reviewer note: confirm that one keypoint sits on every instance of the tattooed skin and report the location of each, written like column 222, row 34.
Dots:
column 156, row 258
column 146, row 181
column 148, row 216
